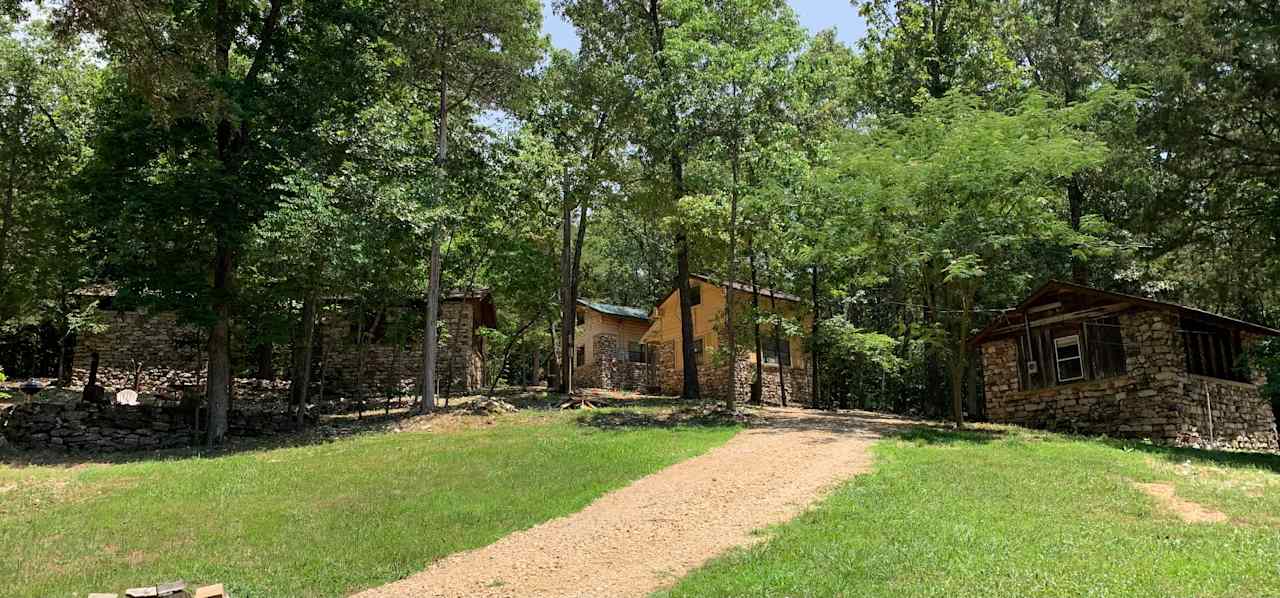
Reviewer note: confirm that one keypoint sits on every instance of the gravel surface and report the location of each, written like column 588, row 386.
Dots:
column 645, row 536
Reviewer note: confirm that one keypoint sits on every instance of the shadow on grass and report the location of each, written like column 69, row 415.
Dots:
column 933, row 435
column 1266, row 461
column 329, row 428
column 623, row 419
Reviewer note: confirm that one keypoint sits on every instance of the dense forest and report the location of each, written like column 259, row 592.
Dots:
column 242, row 162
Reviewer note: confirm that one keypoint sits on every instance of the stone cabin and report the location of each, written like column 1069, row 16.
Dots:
column 163, row 355
column 1077, row 359
column 784, row 371
column 610, row 352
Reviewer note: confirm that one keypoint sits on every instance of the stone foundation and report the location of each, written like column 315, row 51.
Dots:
column 715, row 383
column 612, row 370
column 1156, row 399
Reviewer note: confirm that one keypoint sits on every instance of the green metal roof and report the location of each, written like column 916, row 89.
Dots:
column 617, row 310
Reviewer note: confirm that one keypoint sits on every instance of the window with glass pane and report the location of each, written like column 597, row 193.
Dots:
column 1069, row 358
column 695, row 294
column 635, row 352
column 697, row 351
column 771, row 345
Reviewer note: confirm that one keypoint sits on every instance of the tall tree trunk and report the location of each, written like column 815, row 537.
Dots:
column 575, row 273
column 301, row 383
column 568, row 313
column 691, row 390
column 6, row 223
column 430, row 348
column 1075, row 203
column 218, row 385
column 976, row 408
column 360, row 358
column 730, row 402
column 958, row 368
column 553, row 366
column 757, row 381
column 675, row 159
column 265, row 356
column 777, row 341
column 816, row 396
column 429, row 344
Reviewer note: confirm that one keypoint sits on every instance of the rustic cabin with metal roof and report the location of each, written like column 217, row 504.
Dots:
column 609, row 351
column 1078, row 359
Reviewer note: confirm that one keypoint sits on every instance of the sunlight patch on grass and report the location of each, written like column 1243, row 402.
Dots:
column 1003, row 512
column 317, row 520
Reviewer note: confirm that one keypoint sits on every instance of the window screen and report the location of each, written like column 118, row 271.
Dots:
column 1070, row 361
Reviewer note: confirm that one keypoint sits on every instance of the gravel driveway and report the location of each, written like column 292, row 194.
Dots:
column 645, row 536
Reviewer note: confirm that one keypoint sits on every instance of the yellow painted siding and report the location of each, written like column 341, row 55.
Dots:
column 627, row 329
column 708, row 315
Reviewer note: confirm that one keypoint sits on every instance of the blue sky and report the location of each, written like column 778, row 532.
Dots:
column 815, row 15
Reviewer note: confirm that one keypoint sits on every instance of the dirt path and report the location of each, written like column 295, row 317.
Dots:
column 640, row 538
column 1187, row 511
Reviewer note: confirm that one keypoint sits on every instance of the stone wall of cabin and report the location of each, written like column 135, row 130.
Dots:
column 797, row 383
column 161, row 353
column 167, row 357
column 1155, row 399
column 713, row 378
column 611, row 369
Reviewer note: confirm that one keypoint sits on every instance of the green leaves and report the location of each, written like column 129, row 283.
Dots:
column 956, row 194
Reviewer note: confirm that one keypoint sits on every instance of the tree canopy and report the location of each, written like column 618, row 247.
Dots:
column 243, row 164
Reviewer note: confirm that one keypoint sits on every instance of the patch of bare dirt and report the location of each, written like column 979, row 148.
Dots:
column 1190, row 512
column 643, row 537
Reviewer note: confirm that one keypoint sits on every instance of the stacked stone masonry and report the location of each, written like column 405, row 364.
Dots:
column 92, row 427
column 611, row 368
column 155, row 354
column 1155, row 399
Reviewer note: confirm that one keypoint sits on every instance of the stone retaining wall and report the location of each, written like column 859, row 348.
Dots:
column 1156, row 399
column 90, row 427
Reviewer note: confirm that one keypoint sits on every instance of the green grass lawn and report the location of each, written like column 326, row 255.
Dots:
column 320, row 520
column 1023, row 514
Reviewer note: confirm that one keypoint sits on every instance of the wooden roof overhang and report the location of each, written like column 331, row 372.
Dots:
column 1060, row 302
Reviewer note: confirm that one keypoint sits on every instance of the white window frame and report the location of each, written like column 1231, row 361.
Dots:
column 1060, row 342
